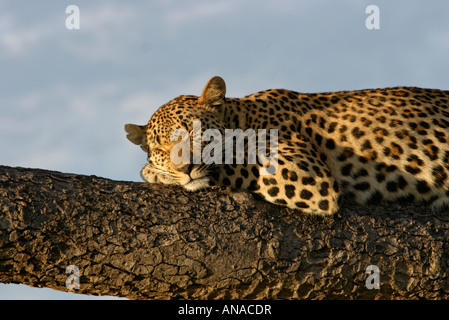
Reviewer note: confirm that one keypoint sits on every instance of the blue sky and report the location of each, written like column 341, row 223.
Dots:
column 66, row 94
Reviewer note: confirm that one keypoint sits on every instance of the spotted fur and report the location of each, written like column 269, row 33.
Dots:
column 371, row 145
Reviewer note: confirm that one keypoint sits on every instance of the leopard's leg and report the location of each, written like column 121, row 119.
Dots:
column 302, row 181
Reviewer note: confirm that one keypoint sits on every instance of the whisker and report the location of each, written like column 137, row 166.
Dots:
column 157, row 170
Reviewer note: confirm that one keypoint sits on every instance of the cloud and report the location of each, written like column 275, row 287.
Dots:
column 16, row 41
column 440, row 39
column 107, row 32
column 179, row 17
column 102, row 28
column 53, row 128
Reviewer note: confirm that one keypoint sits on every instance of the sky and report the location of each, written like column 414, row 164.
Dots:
column 65, row 94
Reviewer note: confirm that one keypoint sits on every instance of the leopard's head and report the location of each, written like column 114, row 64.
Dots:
column 172, row 137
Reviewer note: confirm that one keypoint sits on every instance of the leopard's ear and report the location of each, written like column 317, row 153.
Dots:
column 214, row 92
column 136, row 133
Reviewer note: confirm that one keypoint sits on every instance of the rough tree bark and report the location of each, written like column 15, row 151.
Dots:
column 145, row 241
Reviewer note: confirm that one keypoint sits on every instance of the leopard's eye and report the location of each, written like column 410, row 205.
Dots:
column 158, row 150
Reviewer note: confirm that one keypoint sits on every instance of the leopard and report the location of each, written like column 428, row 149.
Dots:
column 386, row 144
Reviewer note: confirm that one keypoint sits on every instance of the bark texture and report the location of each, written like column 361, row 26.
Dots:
column 144, row 241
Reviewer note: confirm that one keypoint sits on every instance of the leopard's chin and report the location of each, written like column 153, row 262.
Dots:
column 197, row 184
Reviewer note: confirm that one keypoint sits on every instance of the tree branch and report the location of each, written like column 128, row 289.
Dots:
column 149, row 241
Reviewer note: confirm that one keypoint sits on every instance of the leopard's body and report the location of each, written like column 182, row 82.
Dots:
column 376, row 144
